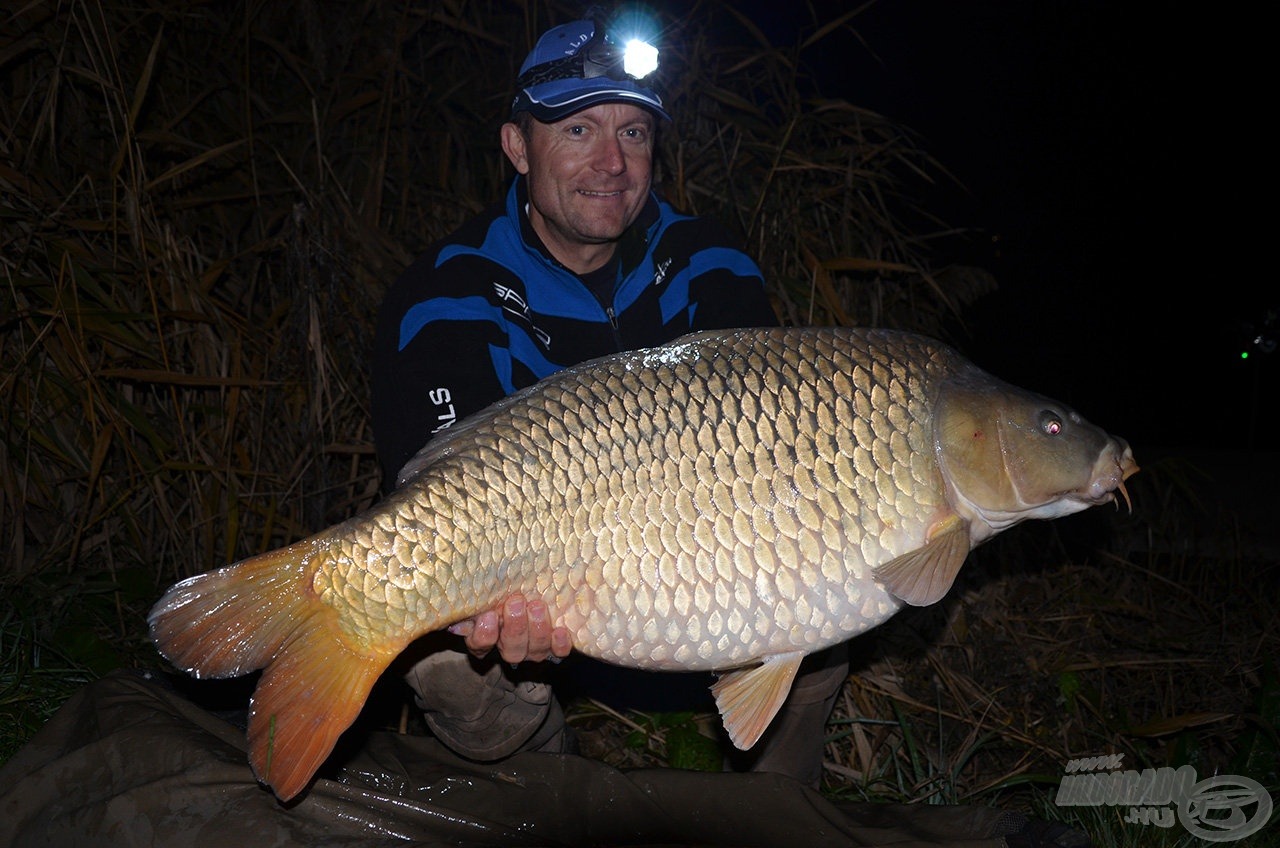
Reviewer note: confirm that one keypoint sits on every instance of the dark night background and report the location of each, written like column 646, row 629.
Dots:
column 1108, row 161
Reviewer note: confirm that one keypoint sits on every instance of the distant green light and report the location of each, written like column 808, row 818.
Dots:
column 1244, row 354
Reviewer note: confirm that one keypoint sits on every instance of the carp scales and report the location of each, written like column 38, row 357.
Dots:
column 731, row 501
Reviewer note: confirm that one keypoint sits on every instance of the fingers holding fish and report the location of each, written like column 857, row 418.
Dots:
column 521, row 629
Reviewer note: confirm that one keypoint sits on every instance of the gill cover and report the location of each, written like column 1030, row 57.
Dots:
column 1009, row 454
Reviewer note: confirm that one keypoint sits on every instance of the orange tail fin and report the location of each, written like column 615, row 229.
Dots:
column 263, row 613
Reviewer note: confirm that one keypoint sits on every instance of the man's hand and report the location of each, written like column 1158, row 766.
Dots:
column 521, row 631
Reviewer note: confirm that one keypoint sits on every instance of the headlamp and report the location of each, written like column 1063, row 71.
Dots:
column 639, row 59
column 599, row 57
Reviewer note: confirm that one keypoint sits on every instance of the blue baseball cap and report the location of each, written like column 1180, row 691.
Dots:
column 574, row 67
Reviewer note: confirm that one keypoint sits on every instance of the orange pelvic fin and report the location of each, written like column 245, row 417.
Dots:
column 749, row 698
column 262, row 613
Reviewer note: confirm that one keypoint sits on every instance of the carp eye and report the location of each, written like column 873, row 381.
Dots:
column 1050, row 423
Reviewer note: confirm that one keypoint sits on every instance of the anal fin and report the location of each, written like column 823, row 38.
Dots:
column 749, row 698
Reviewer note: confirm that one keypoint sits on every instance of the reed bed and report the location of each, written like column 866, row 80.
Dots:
column 204, row 203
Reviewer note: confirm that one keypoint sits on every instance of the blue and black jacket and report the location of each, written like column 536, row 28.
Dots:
column 487, row 311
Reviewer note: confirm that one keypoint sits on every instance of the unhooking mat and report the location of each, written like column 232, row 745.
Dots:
column 129, row 762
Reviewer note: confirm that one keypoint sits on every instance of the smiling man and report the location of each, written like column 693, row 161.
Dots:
column 582, row 259
column 588, row 177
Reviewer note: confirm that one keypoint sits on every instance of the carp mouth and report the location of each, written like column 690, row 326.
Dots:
column 1115, row 465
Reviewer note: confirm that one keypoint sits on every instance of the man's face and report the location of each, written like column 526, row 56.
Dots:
column 588, row 177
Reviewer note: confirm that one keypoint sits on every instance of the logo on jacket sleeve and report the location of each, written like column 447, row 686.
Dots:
column 661, row 273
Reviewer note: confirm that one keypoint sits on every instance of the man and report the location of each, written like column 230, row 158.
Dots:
column 580, row 260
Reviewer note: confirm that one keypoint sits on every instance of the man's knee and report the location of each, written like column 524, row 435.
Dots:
column 480, row 712
column 795, row 742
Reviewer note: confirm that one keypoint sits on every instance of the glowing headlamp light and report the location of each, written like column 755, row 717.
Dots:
column 599, row 57
column 639, row 59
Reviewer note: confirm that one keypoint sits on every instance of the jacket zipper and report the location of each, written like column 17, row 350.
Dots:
column 608, row 310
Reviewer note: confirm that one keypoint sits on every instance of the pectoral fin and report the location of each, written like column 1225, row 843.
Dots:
column 924, row 575
column 749, row 698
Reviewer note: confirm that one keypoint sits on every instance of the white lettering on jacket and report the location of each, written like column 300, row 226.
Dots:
column 443, row 400
column 514, row 304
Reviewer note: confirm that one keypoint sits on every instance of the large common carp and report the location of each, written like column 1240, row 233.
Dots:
column 732, row 501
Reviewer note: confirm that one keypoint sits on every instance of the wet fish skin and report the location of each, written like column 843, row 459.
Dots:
column 732, row 501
